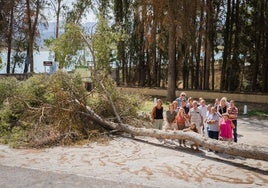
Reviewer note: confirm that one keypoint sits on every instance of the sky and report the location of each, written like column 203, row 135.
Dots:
column 90, row 17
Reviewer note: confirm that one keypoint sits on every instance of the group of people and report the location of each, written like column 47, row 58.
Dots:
column 217, row 121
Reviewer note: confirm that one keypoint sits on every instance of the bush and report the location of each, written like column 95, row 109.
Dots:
column 8, row 87
column 46, row 110
column 126, row 104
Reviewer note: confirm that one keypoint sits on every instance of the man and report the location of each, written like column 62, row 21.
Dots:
column 203, row 108
column 209, row 106
column 182, row 97
column 213, row 124
column 233, row 113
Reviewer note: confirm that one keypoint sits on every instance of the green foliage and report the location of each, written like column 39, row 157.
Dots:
column 11, row 129
column 6, row 117
column 105, row 43
column 126, row 104
column 36, row 107
column 78, row 11
column 8, row 87
column 258, row 113
column 35, row 89
column 1, row 63
column 46, row 110
column 49, row 42
column 68, row 45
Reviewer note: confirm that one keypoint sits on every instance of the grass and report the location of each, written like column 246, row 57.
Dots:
column 148, row 105
column 258, row 113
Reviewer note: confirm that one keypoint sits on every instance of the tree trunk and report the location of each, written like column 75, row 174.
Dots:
column 265, row 63
column 153, row 67
column 171, row 51
column 199, row 50
column 9, row 40
column 235, row 66
column 226, row 47
column 32, row 27
column 256, row 66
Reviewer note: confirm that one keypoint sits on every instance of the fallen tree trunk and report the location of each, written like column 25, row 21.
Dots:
column 231, row 148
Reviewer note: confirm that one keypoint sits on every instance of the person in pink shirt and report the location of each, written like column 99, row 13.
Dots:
column 226, row 128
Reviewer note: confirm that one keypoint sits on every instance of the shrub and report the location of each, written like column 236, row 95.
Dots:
column 46, row 110
column 8, row 87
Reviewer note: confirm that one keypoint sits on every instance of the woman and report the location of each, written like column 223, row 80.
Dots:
column 157, row 115
column 222, row 108
column 195, row 116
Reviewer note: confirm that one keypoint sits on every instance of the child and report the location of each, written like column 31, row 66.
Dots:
column 194, row 129
column 170, row 118
column 180, row 120
column 226, row 128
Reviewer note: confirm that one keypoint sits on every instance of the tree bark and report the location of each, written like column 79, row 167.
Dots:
column 9, row 37
column 171, row 94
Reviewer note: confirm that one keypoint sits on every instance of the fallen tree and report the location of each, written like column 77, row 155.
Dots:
column 231, row 148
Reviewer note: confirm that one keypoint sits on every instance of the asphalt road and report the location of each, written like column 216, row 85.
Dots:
column 16, row 177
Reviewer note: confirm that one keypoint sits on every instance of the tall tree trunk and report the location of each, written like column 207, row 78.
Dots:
column 160, row 70
column 265, row 62
column 226, row 47
column 235, row 67
column 193, row 48
column 191, row 66
column 10, row 35
column 29, row 57
column 199, row 50
column 32, row 27
column 121, row 45
column 141, row 49
column 264, row 29
column 58, row 11
column 209, row 43
column 171, row 50
column 256, row 66
column 153, row 66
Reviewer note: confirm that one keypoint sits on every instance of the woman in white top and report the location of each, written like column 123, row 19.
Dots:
column 195, row 116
